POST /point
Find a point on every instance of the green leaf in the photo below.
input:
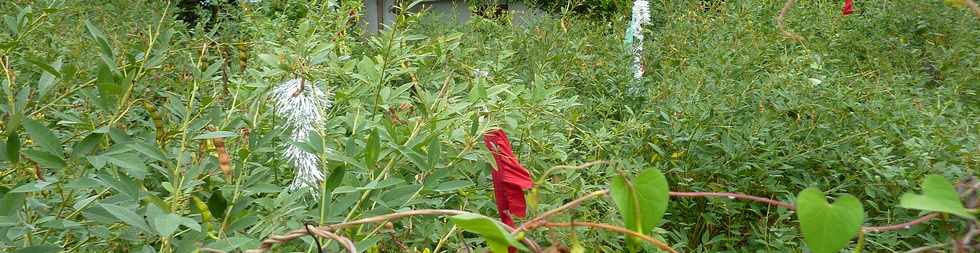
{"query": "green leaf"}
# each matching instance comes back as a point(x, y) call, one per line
point(107, 83)
point(32, 187)
point(123, 184)
point(434, 152)
point(13, 147)
point(133, 164)
point(373, 149)
point(453, 185)
point(477, 92)
point(335, 179)
point(215, 134)
point(625, 201)
point(270, 60)
point(166, 224)
point(48, 77)
point(45, 159)
point(45, 248)
point(217, 204)
point(653, 195)
point(127, 216)
point(315, 141)
point(87, 145)
point(938, 195)
point(492, 232)
point(43, 137)
point(149, 149)
point(10, 202)
point(826, 227)
point(108, 58)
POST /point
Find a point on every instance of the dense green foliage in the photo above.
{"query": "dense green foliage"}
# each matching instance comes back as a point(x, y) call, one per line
point(108, 111)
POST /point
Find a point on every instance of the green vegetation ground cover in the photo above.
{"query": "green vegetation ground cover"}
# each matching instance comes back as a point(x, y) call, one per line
point(108, 110)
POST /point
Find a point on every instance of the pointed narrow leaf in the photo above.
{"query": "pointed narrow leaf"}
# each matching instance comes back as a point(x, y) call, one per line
point(86, 146)
point(43, 137)
point(216, 134)
point(127, 216)
point(32, 187)
point(13, 147)
point(45, 248)
point(148, 149)
point(45, 159)
point(373, 149)
point(133, 165)
point(48, 78)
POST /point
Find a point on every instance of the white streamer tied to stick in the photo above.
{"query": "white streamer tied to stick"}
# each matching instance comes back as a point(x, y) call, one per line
point(302, 105)
point(634, 34)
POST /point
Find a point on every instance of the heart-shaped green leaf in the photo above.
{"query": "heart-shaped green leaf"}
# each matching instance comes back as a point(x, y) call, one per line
point(826, 227)
point(938, 195)
point(492, 232)
point(650, 192)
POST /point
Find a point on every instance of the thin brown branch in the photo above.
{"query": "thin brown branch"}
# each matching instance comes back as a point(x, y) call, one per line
point(733, 195)
point(344, 241)
point(661, 245)
point(779, 21)
point(279, 239)
point(928, 248)
point(543, 218)
point(900, 226)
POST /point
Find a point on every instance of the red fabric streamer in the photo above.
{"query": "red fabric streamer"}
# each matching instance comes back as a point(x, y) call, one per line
point(848, 7)
point(510, 179)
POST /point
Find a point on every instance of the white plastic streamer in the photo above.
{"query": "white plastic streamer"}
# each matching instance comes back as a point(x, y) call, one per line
point(303, 112)
point(634, 34)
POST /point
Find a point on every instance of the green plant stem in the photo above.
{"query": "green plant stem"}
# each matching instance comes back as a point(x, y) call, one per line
point(141, 71)
point(860, 242)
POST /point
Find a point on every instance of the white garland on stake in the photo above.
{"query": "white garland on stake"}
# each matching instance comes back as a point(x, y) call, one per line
point(634, 34)
point(302, 105)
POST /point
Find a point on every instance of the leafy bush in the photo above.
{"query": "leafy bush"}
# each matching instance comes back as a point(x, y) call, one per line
point(113, 114)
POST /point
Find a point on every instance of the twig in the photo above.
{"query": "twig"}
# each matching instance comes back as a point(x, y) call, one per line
point(927, 248)
point(663, 246)
point(779, 21)
point(900, 226)
point(734, 195)
point(543, 218)
point(344, 241)
point(279, 239)
point(538, 221)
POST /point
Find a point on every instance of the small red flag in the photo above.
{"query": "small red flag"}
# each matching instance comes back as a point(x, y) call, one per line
point(510, 179)
point(848, 7)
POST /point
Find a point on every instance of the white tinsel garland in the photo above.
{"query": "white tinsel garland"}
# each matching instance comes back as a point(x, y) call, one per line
point(641, 16)
point(302, 111)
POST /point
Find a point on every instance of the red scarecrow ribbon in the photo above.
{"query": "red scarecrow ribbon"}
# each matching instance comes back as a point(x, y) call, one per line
point(848, 7)
point(510, 179)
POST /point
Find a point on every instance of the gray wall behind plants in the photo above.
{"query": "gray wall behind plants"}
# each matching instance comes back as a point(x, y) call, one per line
point(449, 11)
